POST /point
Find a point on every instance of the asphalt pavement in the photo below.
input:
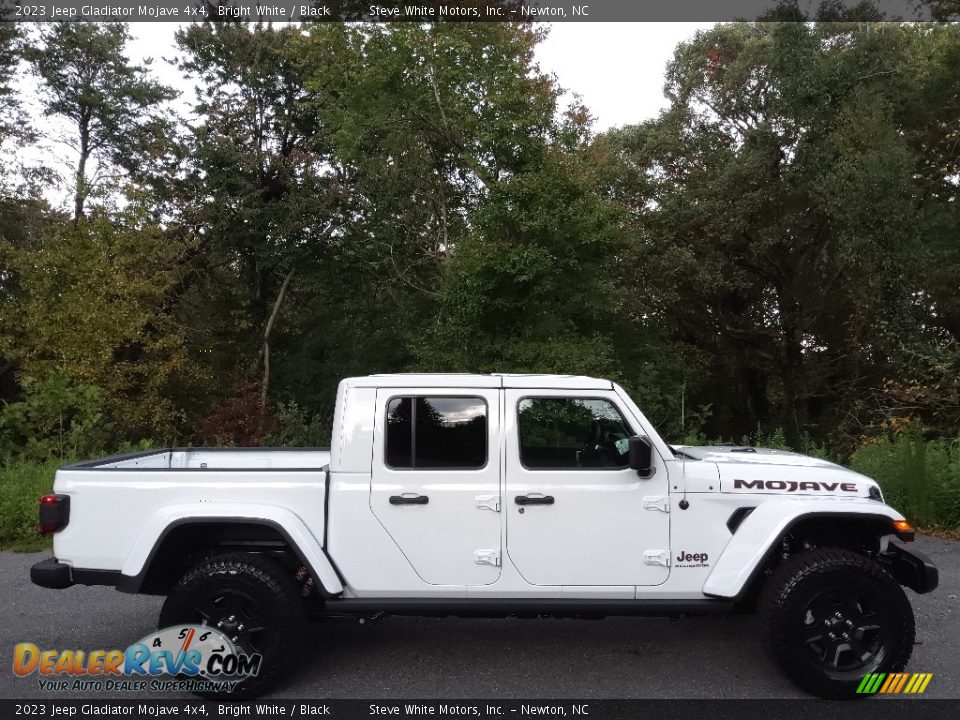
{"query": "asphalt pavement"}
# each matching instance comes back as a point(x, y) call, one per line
point(704, 657)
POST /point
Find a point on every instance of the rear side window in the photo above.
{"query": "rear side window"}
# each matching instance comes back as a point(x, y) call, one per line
point(436, 432)
point(572, 433)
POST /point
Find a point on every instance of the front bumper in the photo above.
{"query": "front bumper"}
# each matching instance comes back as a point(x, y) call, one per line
point(912, 568)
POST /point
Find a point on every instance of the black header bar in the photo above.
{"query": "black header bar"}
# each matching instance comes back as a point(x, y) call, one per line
point(552, 709)
point(281, 11)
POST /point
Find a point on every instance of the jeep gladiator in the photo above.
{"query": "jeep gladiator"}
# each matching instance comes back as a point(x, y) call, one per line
point(497, 495)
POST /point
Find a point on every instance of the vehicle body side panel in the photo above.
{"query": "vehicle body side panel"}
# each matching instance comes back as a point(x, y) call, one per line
point(293, 527)
point(698, 537)
point(352, 441)
point(369, 560)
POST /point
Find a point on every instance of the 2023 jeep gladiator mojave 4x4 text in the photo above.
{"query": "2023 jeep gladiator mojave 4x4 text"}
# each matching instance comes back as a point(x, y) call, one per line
point(497, 495)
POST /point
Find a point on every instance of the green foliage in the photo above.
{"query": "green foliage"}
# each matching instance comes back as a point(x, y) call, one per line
point(57, 418)
point(298, 429)
point(919, 477)
point(22, 482)
point(533, 290)
point(91, 303)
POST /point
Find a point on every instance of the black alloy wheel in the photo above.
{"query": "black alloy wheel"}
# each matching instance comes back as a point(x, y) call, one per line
point(831, 616)
point(254, 601)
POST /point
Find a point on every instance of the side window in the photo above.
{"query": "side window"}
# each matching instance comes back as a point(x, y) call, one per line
point(572, 433)
point(436, 432)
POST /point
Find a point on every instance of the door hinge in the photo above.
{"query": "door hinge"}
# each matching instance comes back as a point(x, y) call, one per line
point(487, 557)
point(656, 557)
point(656, 502)
point(489, 502)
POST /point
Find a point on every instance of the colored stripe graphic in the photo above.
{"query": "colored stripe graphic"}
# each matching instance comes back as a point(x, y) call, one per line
point(890, 682)
point(900, 683)
point(894, 683)
point(866, 685)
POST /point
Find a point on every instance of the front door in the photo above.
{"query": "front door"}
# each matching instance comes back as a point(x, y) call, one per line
point(435, 486)
point(575, 513)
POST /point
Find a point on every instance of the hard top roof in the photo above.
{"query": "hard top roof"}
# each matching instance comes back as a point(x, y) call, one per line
point(493, 380)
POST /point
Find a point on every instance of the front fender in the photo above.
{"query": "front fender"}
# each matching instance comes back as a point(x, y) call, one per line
point(762, 529)
point(286, 522)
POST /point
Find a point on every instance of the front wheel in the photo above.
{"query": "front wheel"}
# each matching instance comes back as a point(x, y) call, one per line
point(252, 600)
point(832, 616)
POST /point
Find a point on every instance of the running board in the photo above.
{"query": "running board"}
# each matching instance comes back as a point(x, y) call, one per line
point(500, 607)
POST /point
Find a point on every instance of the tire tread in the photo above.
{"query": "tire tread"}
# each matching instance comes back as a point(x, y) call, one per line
point(283, 589)
point(789, 578)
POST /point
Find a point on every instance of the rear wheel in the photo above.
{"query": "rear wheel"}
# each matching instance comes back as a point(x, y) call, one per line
point(832, 616)
point(252, 600)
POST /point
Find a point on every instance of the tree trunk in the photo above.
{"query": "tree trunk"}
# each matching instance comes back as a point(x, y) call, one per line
point(80, 194)
point(265, 384)
point(795, 394)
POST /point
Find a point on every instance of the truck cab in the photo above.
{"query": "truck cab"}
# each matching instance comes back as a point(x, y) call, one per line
point(511, 472)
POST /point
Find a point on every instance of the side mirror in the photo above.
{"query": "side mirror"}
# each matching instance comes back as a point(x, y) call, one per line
point(641, 455)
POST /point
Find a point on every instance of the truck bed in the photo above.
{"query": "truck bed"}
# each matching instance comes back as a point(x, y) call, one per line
point(119, 504)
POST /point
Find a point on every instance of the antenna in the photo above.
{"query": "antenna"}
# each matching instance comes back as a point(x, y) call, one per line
point(683, 398)
point(683, 429)
point(683, 479)
point(683, 408)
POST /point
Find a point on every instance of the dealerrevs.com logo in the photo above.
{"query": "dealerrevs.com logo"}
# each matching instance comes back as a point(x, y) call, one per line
point(183, 658)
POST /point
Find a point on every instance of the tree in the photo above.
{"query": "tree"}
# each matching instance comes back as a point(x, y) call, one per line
point(90, 307)
point(466, 195)
point(788, 216)
point(113, 105)
point(259, 184)
point(11, 113)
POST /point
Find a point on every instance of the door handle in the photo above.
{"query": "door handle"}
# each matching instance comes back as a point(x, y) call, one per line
point(409, 499)
point(534, 499)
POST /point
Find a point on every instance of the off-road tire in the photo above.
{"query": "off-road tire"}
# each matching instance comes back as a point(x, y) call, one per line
point(799, 606)
point(260, 588)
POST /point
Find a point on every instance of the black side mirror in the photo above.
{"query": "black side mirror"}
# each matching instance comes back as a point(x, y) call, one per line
point(641, 455)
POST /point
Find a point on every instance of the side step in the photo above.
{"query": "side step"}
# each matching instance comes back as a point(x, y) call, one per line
point(530, 607)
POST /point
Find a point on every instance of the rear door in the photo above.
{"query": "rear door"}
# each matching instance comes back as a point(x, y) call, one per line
point(575, 513)
point(435, 486)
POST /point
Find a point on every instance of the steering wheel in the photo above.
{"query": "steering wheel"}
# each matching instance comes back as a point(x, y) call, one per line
point(593, 449)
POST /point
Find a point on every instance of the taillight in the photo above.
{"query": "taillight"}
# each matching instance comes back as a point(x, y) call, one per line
point(54, 513)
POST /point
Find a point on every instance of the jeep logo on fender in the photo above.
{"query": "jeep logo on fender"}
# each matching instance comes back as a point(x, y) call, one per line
point(685, 559)
point(793, 486)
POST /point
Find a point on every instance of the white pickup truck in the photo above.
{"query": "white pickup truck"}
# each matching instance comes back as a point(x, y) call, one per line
point(497, 495)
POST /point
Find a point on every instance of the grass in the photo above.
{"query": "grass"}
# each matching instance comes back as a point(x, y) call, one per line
point(921, 478)
point(21, 485)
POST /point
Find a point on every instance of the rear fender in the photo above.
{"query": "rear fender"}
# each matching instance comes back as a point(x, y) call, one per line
point(288, 524)
point(762, 529)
